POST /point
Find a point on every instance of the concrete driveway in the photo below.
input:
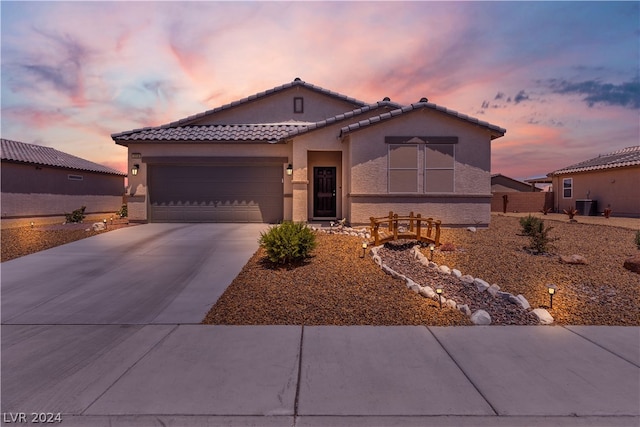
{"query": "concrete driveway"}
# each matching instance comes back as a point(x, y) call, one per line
point(148, 274)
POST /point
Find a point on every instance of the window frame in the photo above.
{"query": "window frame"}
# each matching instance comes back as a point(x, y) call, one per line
point(298, 105)
point(567, 188)
point(390, 148)
point(452, 168)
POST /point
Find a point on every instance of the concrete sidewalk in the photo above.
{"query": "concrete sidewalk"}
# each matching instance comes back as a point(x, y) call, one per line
point(198, 375)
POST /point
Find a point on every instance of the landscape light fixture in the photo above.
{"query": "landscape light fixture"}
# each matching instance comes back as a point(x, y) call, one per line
point(290, 169)
point(104, 221)
point(439, 292)
point(134, 169)
point(552, 291)
point(432, 248)
point(32, 224)
point(364, 248)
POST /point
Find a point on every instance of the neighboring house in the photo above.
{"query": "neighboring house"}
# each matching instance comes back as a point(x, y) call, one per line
point(300, 152)
point(504, 184)
point(42, 181)
point(511, 195)
point(607, 181)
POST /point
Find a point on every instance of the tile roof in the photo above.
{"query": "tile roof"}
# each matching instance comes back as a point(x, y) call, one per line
point(497, 131)
point(296, 82)
point(20, 152)
point(629, 156)
point(343, 116)
point(267, 132)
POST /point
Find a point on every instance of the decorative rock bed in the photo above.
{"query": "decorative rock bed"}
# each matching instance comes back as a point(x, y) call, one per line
point(515, 308)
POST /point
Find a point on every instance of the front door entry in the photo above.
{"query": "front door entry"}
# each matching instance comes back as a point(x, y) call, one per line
point(324, 192)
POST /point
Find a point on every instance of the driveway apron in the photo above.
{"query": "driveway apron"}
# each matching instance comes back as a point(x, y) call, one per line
point(148, 274)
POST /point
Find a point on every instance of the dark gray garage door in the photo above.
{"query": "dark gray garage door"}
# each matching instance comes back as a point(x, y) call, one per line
point(215, 193)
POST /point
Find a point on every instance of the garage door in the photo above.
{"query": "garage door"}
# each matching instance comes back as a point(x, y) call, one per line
point(216, 193)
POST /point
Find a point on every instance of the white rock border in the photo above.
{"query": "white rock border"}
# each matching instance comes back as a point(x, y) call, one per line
point(478, 317)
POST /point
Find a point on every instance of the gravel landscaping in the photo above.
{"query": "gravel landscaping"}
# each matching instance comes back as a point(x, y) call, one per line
point(338, 287)
point(22, 239)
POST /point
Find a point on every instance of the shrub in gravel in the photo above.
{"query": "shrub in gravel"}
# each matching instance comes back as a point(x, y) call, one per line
point(529, 223)
point(540, 241)
point(76, 216)
point(123, 212)
point(288, 242)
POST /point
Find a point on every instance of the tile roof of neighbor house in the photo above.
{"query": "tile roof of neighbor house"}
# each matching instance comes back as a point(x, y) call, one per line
point(496, 130)
point(20, 152)
point(629, 156)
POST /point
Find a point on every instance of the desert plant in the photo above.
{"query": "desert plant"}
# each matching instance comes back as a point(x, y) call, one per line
point(528, 223)
point(288, 242)
point(571, 212)
point(123, 212)
point(637, 239)
point(545, 210)
point(607, 212)
point(540, 242)
point(76, 216)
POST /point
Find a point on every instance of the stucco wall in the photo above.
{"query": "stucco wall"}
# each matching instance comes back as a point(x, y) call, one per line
point(279, 108)
point(38, 204)
point(451, 211)
point(45, 191)
point(618, 188)
point(368, 189)
point(27, 178)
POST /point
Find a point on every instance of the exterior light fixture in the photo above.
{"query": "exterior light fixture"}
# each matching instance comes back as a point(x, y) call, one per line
point(364, 248)
point(439, 292)
point(134, 169)
point(290, 169)
point(552, 291)
point(432, 248)
point(111, 219)
point(32, 224)
point(104, 221)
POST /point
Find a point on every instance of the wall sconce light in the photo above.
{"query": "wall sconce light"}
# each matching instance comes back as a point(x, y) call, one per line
point(552, 291)
point(290, 169)
point(134, 169)
point(432, 248)
point(439, 292)
point(364, 248)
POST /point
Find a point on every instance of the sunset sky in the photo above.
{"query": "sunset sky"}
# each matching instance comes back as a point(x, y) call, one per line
point(561, 77)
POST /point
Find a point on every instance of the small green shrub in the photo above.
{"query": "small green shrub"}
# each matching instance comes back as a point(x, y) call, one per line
point(637, 239)
point(288, 242)
point(529, 224)
point(540, 242)
point(123, 212)
point(76, 216)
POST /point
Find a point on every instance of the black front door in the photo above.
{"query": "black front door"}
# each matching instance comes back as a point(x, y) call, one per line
point(324, 192)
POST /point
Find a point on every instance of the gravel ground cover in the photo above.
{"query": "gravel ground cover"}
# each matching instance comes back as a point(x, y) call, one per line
point(24, 240)
point(337, 287)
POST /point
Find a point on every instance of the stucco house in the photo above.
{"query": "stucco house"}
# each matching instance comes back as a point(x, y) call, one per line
point(42, 181)
point(608, 181)
point(303, 153)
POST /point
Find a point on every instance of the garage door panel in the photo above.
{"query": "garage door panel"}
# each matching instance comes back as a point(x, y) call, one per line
point(237, 193)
